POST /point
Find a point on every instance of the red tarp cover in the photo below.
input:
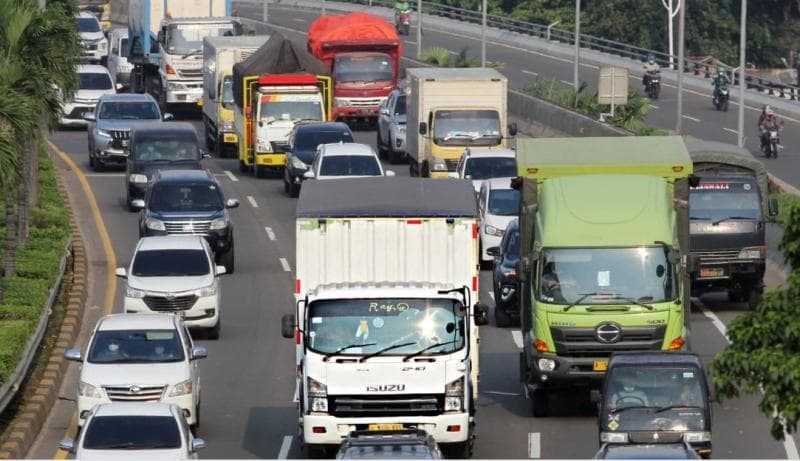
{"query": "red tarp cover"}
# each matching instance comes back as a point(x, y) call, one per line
point(355, 27)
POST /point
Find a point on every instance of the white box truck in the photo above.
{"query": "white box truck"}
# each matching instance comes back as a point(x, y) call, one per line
point(449, 110)
point(385, 326)
point(219, 56)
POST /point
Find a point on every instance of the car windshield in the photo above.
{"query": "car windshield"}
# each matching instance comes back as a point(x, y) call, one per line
point(171, 198)
point(720, 200)
point(227, 92)
point(188, 38)
point(127, 432)
point(129, 111)
point(296, 107)
point(123, 48)
point(466, 128)
point(374, 324)
point(490, 167)
point(400, 105)
point(350, 165)
point(136, 346)
point(310, 139)
point(170, 263)
point(504, 202)
point(372, 68)
point(653, 386)
point(606, 276)
point(88, 25)
point(159, 150)
point(94, 81)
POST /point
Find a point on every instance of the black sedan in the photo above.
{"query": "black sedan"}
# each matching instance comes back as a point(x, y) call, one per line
point(504, 277)
point(303, 142)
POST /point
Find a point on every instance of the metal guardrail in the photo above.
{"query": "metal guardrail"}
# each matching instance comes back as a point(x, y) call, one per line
point(705, 68)
point(10, 388)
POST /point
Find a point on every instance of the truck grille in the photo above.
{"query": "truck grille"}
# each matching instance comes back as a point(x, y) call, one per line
point(134, 393)
point(717, 256)
point(190, 73)
point(187, 227)
point(175, 303)
point(582, 342)
point(655, 436)
point(89, 46)
point(383, 405)
point(366, 102)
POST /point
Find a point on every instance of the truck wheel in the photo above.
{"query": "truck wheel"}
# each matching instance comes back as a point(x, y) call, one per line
point(425, 173)
point(456, 450)
point(243, 167)
point(539, 403)
point(736, 296)
point(314, 451)
point(413, 168)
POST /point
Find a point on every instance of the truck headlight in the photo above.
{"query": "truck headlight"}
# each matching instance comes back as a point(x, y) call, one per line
point(210, 290)
point(299, 164)
point(138, 179)
point(614, 437)
point(318, 396)
point(155, 224)
point(438, 164)
point(134, 293)
point(547, 364)
point(491, 230)
point(696, 436)
point(751, 253)
point(454, 395)
point(219, 223)
point(175, 86)
point(182, 388)
point(87, 390)
point(227, 125)
point(341, 102)
point(262, 145)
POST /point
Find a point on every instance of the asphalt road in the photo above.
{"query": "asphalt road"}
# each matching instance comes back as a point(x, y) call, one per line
point(248, 379)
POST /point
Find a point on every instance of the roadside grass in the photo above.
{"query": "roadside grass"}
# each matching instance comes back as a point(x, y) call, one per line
point(785, 202)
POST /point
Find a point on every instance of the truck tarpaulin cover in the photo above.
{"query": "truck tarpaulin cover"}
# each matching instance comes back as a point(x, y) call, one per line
point(354, 28)
point(278, 56)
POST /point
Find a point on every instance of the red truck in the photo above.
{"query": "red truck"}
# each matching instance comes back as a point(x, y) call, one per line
point(362, 52)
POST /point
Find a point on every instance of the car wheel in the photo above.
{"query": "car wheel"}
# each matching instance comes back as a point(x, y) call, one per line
point(294, 190)
point(286, 182)
point(91, 161)
point(243, 167)
point(227, 259)
point(396, 157)
point(501, 317)
point(379, 144)
point(456, 450)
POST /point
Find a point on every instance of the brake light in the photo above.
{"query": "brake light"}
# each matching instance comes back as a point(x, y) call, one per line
point(677, 343)
point(170, 70)
point(475, 231)
point(297, 337)
point(297, 286)
point(540, 345)
point(474, 283)
point(413, 221)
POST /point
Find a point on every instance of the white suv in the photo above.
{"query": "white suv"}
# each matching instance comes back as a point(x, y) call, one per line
point(498, 205)
point(93, 82)
point(345, 159)
point(95, 44)
point(139, 358)
point(479, 164)
point(175, 274)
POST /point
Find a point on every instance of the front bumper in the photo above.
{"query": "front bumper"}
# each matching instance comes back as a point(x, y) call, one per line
point(73, 114)
point(336, 429)
point(186, 402)
point(347, 112)
point(569, 370)
point(271, 160)
point(733, 273)
point(220, 240)
point(190, 94)
point(203, 314)
point(94, 56)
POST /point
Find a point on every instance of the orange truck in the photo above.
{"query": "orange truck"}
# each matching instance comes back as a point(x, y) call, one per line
point(362, 52)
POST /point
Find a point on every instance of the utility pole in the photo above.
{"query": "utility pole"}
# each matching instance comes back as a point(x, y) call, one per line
point(742, 62)
point(681, 45)
point(576, 80)
point(671, 12)
point(266, 11)
point(419, 29)
point(483, 33)
point(42, 4)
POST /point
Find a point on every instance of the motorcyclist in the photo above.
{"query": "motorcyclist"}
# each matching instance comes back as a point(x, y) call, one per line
point(763, 113)
point(400, 6)
point(720, 80)
point(651, 67)
point(769, 122)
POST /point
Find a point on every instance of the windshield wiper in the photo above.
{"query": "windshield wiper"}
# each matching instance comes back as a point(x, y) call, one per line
point(721, 220)
point(672, 407)
point(699, 218)
point(638, 302)
point(117, 446)
point(630, 407)
point(385, 349)
point(579, 300)
point(192, 53)
point(425, 349)
point(341, 349)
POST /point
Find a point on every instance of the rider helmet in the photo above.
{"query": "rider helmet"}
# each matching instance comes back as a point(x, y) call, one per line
point(651, 58)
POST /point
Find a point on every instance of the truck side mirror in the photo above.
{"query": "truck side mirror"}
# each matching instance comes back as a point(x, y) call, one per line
point(595, 396)
point(261, 123)
point(774, 208)
point(212, 94)
point(674, 256)
point(423, 128)
point(694, 180)
point(512, 129)
point(481, 314)
point(287, 326)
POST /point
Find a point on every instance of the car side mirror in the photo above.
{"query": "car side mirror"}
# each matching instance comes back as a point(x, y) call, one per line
point(221, 270)
point(137, 204)
point(308, 174)
point(389, 173)
point(73, 355)
point(774, 207)
point(166, 117)
point(198, 444)
point(481, 314)
point(512, 129)
point(204, 154)
point(118, 86)
point(261, 123)
point(121, 272)
point(115, 50)
point(232, 203)
point(199, 352)
point(674, 256)
point(494, 251)
point(595, 396)
point(67, 445)
point(423, 128)
point(288, 326)
point(89, 117)
point(467, 176)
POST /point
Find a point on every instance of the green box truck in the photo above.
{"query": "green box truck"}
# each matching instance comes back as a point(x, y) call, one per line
point(605, 237)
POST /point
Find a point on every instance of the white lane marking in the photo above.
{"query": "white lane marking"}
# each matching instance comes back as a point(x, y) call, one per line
point(534, 445)
point(270, 234)
point(517, 337)
point(567, 83)
point(529, 72)
point(730, 130)
point(491, 295)
point(653, 106)
point(252, 201)
point(410, 42)
point(691, 118)
point(296, 397)
point(303, 20)
point(285, 446)
point(513, 394)
point(285, 265)
point(230, 175)
point(780, 147)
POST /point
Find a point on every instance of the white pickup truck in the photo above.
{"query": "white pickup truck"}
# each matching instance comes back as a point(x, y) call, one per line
point(385, 327)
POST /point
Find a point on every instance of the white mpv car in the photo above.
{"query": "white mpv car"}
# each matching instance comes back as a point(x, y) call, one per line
point(175, 274)
point(139, 358)
point(498, 205)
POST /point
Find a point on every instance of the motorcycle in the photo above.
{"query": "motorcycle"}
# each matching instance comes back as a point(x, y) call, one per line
point(653, 87)
point(770, 147)
point(403, 22)
point(721, 98)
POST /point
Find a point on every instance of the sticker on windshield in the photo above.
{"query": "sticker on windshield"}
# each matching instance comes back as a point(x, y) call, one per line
point(159, 335)
point(377, 322)
point(316, 319)
point(604, 278)
point(688, 374)
point(363, 330)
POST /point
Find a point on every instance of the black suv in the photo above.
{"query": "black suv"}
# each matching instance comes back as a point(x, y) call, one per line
point(504, 277)
point(180, 202)
point(153, 147)
point(303, 142)
point(398, 444)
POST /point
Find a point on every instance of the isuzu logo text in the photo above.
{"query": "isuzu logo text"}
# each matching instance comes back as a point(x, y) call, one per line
point(387, 388)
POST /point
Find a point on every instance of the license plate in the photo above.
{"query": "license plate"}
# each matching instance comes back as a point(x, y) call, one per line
point(385, 427)
point(125, 143)
point(712, 272)
point(181, 97)
point(230, 137)
point(600, 365)
point(199, 102)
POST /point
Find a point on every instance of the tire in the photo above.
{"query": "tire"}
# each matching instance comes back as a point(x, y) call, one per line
point(725, 106)
point(196, 424)
point(91, 162)
point(456, 450)
point(314, 451)
point(425, 173)
point(291, 189)
point(379, 144)
point(227, 259)
point(774, 149)
point(656, 91)
point(539, 403)
point(413, 168)
point(501, 318)
point(736, 296)
point(213, 332)
point(243, 168)
point(396, 157)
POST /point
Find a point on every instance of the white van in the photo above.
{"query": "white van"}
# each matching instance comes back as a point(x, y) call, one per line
point(118, 64)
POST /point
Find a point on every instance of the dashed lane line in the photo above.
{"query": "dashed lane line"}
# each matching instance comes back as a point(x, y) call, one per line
point(688, 117)
point(567, 83)
point(653, 106)
point(510, 394)
point(252, 201)
point(530, 72)
point(270, 233)
point(285, 265)
point(410, 42)
point(491, 295)
point(516, 335)
point(231, 176)
point(534, 445)
point(730, 130)
point(285, 446)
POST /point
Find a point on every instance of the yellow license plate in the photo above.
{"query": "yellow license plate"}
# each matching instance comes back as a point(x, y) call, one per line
point(385, 427)
point(600, 365)
point(712, 272)
point(199, 102)
point(231, 137)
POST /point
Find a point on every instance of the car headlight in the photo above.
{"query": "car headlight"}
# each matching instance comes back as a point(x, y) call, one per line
point(341, 102)
point(87, 390)
point(219, 223)
point(751, 253)
point(182, 388)
point(696, 436)
point(263, 145)
point(438, 164)
point(401, 127)
point(299, 164)
point(318, 396)
point(210, 290)
point(138, 179)
point(103, 133)
point(102, 46)
point(155, 224)
point(454, 395)
point(491, 230)
point(134, 293)
point(613, 437)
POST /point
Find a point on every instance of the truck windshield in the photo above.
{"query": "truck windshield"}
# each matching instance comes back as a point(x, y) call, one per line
point(715, 201)
point(380, 323)
point(94, 81)
point(657, 387)
point(174, 198)
point(290, 107)
point(188, 38)
point(227, 92)
point(491, 167)
point(605, 276)
point(371, 68)
point(88, 25)
point(466, 128)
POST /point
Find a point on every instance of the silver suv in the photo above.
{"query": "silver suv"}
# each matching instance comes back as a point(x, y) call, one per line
point(391, 130)
point(110, 126)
